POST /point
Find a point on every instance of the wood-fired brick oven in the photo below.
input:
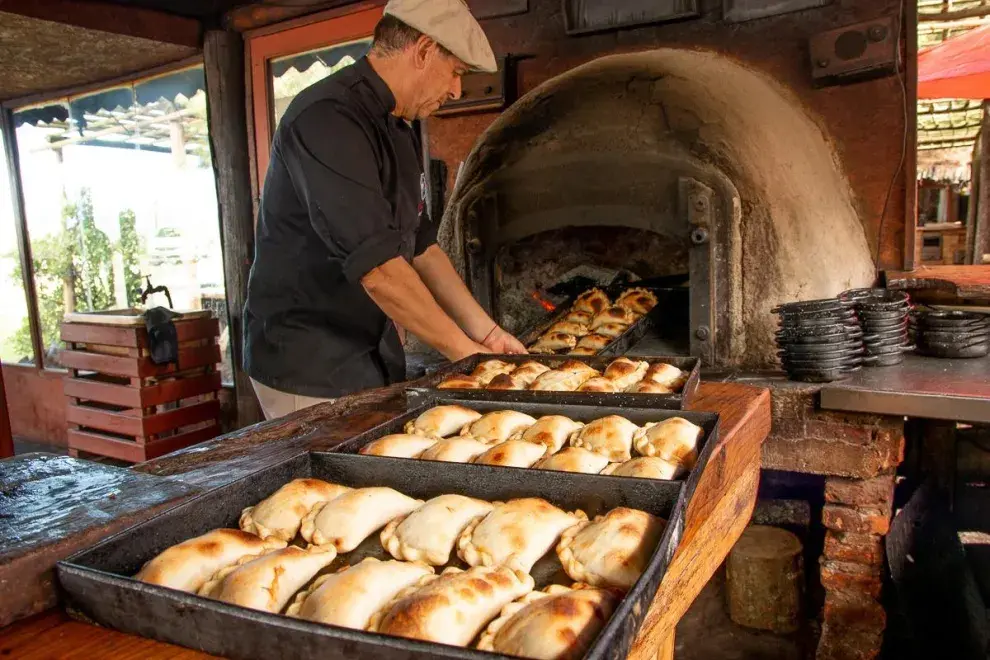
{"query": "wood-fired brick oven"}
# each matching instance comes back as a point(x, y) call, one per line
point(661, 162)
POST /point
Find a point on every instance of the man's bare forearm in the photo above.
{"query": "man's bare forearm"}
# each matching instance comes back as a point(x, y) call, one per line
point(452, 294)
point(398, 290)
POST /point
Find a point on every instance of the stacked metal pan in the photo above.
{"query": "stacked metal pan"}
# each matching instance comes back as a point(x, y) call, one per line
point(951, 334)
point(883, 316)
point(819, 341)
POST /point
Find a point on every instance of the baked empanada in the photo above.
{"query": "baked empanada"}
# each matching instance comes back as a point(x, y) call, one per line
point(512, 453)
point(281, 513)
point(541, 349)
point(187, 565)
point(611, 436)
point(625, 372)
point(555, 341)
point(666, 374)
point(649, 387)
point(598, 384)
point(584, 351)
point(565, 378)
point(351, 596)
point(460, 382)
point(455, 450)
point(574, 316)
point(442, 421)
point(488, 369)
point(453, 607)
point(674, 440)
point(569, 328)
point(558, 623)
point(354, 516)
point(429, 533)
point(574, 459)
point(646, 467)
point(516, 533)
point(592, 301)
point(552, 431)
point(639, 301)
point(614, 314)
point(611, 330)
point(497, 426)
point(594, 341)
point(519, 379)
point(612, 550)
point(268, 582)
point(399, 445)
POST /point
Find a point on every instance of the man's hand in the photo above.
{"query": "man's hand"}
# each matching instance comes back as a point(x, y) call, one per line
point(468, 350)
point(500, 341)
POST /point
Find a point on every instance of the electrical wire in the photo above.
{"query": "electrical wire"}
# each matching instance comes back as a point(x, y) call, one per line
point(904, 139)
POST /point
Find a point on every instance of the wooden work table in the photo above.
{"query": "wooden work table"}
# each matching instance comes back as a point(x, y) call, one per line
point(717, 515)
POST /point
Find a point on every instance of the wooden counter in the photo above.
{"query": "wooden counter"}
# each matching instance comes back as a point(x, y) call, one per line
point(717, 515)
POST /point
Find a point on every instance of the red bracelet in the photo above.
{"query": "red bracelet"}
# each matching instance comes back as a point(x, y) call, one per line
point(490, 333)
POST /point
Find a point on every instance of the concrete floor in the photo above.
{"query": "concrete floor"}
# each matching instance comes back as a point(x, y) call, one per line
point(707, 633)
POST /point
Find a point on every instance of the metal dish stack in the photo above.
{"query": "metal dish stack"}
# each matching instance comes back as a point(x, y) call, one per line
point(951, 334)
point(883, 316)
point(819, 341)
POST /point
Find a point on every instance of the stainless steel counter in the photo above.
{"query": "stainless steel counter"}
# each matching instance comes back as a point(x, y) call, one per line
point(957, 390)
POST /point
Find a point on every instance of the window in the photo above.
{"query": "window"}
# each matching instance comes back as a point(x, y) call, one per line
point(119, 190)
point(291, 75)
point(15, 332)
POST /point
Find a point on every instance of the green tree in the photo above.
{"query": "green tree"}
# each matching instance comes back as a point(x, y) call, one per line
point(81, 256)
point(131, 249)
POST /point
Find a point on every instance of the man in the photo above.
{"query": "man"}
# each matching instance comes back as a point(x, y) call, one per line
point(344, 259)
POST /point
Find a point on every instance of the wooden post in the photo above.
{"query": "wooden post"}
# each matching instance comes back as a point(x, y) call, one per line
point(972, 213)
point(6, 437)
point(20, 222)
point(764, 575)
point(981, 232)
point(223, 57)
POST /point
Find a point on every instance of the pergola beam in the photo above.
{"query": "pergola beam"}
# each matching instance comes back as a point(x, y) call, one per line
point(116, 19)
point(971, 12)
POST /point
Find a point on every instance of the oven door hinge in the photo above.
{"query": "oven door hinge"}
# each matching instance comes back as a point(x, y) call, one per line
point(696, 201)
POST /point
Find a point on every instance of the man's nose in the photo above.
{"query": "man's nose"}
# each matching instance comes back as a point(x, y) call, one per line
point(455, 89)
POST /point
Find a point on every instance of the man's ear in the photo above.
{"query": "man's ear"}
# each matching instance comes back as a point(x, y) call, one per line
point(423, 50)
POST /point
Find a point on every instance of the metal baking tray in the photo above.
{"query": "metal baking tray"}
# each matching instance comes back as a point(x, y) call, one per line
point(670, 318)
point(420, 402)
point(676, 401)
point(95, 586)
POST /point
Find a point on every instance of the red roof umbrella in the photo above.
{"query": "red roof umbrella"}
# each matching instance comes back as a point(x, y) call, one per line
point(958, 68)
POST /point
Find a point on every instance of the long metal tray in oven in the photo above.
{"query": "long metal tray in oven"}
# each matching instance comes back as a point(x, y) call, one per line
point(676, 401)
point(420, 402)
point(670, 318)
point(95, 585)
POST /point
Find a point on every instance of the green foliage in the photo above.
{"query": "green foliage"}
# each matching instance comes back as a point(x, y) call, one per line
point(131, 249)
point(80, 257)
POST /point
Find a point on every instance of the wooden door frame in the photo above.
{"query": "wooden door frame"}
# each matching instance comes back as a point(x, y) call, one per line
point(322, 30)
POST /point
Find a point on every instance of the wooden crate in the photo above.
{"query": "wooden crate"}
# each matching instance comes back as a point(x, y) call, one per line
point(121, 404)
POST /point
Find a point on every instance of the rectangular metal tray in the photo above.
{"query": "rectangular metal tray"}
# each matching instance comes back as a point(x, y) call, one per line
point(676, 401)
point(95, 586)
point(669, 317)
point(419, 402)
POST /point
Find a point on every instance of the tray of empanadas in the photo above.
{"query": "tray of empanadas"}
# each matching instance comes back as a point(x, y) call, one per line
point(654, 381)
point(609, 321)
point(335, 555)
point(644, 443)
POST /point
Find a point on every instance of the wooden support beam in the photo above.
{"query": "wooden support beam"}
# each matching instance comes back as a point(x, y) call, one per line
point(265, 13)
point(20, 223)
point(223, 56)
point(117, 19)
point(6, 438)
point(972, 12)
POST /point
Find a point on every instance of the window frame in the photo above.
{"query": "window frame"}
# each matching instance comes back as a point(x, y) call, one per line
point(7, 110)
point(261, 46)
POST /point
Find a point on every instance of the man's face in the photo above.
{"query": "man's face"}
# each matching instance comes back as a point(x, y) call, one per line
point(439, 81)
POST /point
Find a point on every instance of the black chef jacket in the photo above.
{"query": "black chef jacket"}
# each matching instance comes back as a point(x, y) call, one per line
point(344, 194)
